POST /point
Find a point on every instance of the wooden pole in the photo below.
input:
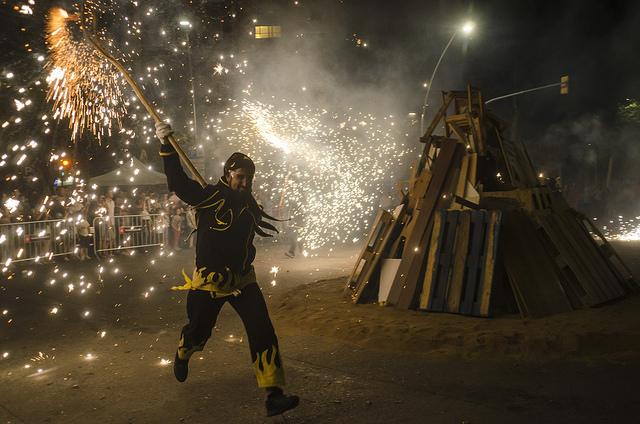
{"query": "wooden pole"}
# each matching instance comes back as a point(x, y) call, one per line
point(95, 42)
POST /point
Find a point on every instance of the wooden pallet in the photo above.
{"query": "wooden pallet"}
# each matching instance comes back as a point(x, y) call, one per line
point(371, 253)
point(536, 281)
point(529, 199)
point(460, 265)
point(521, 172)
point(616, 263)
point(589, 278)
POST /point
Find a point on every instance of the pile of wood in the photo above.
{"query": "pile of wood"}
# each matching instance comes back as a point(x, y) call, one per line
point(476, 227)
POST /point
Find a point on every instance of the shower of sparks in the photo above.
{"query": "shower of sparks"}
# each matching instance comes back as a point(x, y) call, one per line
point(329, 169)
point(622, 229)
point(83, 85)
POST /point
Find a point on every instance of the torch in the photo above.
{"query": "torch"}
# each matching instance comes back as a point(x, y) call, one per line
point(93, 39)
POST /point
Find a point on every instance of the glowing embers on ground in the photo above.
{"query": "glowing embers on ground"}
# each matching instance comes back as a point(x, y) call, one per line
point(70, 291)
point(325, 169)
point(83, 86)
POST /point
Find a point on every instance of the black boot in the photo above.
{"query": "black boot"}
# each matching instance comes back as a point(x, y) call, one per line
point(277, 402)
point(180, 368)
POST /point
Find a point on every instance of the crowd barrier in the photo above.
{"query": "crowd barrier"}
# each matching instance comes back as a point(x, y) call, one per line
point(36, 240)
point(128, 232)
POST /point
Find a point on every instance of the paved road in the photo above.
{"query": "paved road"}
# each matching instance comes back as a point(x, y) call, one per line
point(92, 342)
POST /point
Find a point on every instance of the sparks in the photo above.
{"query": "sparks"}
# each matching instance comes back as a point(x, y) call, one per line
point(82, 85)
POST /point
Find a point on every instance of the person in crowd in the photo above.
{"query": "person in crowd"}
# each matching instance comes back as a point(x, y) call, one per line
point(82, 231)
point(295, 224)
point(177, 223)
point(109, 228)
point(189, 234)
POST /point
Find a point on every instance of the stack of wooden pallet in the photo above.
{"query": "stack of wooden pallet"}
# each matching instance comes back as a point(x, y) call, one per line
point(473, 211)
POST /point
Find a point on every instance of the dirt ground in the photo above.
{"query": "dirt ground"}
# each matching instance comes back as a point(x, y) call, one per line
point(608, 332)
point(93, 342)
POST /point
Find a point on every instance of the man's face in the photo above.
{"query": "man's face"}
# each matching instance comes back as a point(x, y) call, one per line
point(240, 180)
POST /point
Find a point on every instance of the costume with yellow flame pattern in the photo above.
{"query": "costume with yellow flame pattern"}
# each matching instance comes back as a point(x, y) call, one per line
point(226, 224)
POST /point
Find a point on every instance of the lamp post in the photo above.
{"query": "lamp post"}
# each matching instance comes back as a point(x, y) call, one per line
point(187, 25)
point(466, 29)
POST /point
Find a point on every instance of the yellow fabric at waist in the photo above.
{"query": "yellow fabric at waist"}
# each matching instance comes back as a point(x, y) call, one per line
point(213, 281)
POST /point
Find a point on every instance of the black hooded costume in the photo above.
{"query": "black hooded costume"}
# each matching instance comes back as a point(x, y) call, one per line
point(226, 225)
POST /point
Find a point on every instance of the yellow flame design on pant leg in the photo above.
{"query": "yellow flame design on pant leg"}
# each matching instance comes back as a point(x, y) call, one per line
point(186, 352)
point(268, 369)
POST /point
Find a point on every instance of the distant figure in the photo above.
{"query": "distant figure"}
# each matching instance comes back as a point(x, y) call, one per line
point(84, 239)
point(294, 225)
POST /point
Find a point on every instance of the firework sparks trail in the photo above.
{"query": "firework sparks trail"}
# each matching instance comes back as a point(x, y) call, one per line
point(331, 167)
point(83, 86)
point(622, 229)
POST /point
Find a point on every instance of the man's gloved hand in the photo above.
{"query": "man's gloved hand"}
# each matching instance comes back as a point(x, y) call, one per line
point(163, 131)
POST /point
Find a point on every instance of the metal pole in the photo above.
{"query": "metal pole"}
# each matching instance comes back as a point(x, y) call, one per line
point(95, 42)
point(426, 97)
point(193, 93)
point(522, 92)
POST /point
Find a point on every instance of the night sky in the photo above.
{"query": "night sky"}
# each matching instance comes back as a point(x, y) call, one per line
point(515, 45)
point(371, 56)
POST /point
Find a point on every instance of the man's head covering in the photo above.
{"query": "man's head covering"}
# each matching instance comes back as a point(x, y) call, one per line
point(239, 160)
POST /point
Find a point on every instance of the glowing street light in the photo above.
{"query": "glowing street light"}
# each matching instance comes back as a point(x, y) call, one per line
point(466, 29)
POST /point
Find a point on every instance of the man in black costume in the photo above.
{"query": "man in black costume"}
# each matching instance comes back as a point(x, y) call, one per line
point(227, 218)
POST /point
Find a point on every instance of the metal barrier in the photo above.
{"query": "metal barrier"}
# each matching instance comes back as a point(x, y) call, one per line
point(128, 232)
point(34, 240)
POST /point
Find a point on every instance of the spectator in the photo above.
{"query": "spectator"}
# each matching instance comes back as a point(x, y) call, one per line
point(177, 224)
point(190, 224)
point(82, 231)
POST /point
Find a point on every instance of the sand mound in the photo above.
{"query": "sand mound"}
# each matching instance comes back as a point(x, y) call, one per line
point(608, 332)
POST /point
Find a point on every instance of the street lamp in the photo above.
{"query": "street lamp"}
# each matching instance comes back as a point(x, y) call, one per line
point(187, 25)
point(466, 29)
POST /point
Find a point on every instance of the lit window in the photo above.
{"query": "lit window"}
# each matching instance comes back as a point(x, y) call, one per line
point(267, 31)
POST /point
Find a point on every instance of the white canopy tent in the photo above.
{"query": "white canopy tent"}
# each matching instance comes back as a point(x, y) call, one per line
point(131, 173)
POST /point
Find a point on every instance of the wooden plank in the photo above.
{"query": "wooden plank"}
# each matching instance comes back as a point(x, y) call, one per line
point(405, 283)
point(432, 268)
point(371, 254)
point(419, 188)
point(473, 261)
point(482, 305)
point(609, 282)
point(441, 112)
point(536, 281)
point(599, 277)
point(458, 272)
point(473, 166)
point(597, 281)
point(608, 252)
point(459, 132)
point(587, 296)
point(444, 260)
point(409, 296)
point(462, 181)
point(354, 279)
point(474, 256)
